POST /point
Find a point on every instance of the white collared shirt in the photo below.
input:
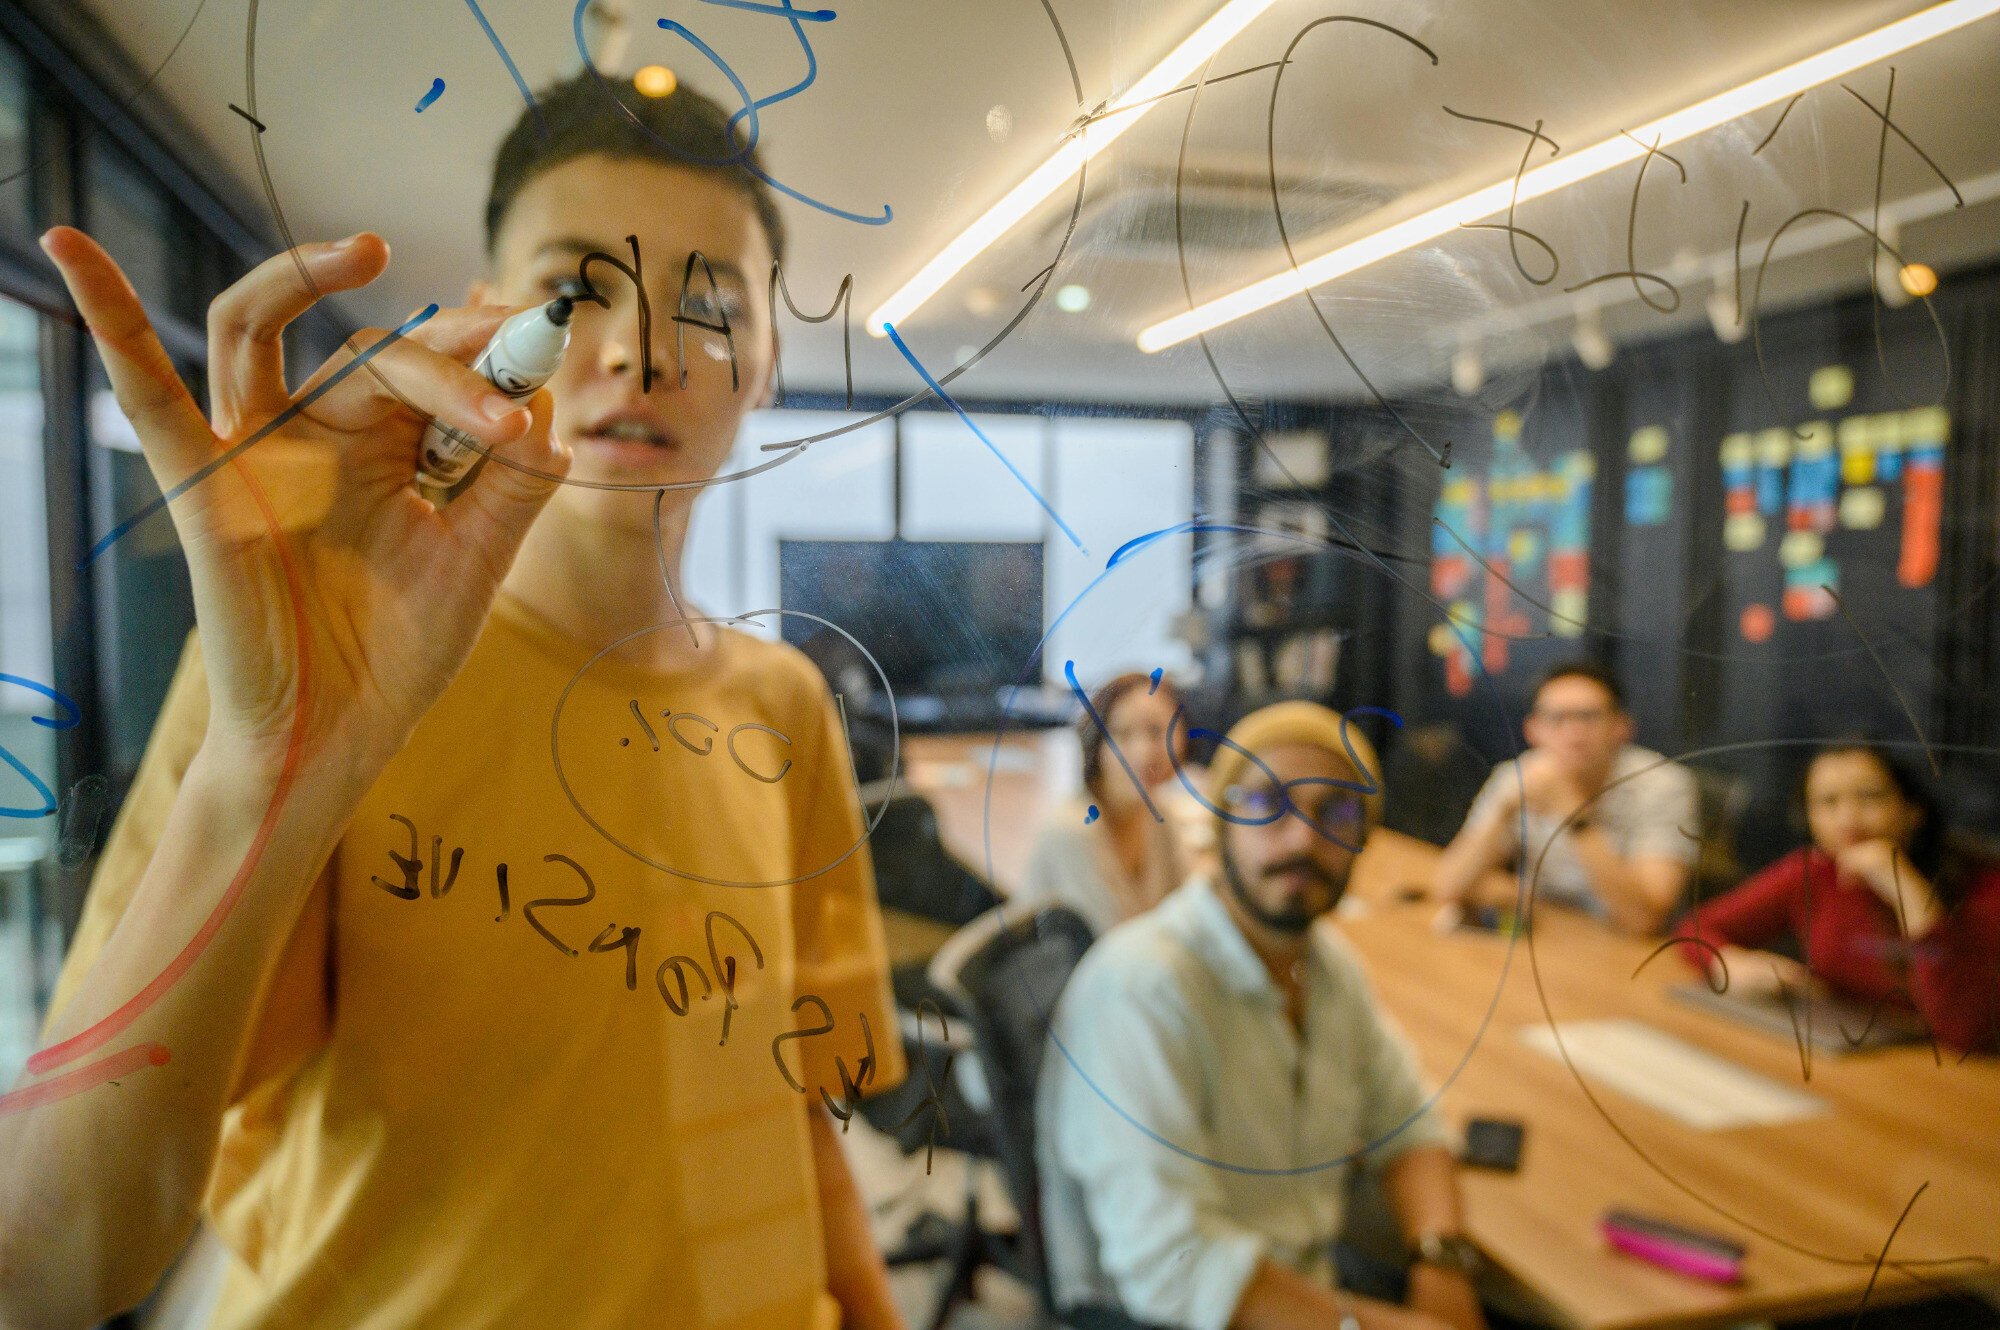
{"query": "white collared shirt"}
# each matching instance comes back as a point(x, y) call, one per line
point(1187, 1130)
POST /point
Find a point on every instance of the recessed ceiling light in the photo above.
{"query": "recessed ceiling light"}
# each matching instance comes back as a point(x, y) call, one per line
point(1917, 278)
point(1073, 299)
point(655, 81)
point(1602, 156)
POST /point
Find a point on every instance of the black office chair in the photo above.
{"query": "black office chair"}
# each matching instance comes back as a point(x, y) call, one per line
point(916, 874)
point(1003, 974)
point(914, 871)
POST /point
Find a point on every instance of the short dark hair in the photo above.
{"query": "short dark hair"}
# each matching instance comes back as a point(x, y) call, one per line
point(607, 116)
point(1581, 668)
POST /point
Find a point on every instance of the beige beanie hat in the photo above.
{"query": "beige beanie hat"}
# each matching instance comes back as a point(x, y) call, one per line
point(1296, 723)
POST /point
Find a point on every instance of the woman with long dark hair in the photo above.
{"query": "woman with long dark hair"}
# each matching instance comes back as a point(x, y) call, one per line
point(1105, 854)
point(1883, 908)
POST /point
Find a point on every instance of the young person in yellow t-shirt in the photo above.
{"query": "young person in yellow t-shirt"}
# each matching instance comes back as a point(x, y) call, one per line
point(528, 1003)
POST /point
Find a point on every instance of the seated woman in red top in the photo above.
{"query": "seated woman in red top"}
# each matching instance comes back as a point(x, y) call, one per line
point(1881, 910)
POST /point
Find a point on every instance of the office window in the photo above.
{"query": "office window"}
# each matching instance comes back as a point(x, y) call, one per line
point(145, 603)
point(954, 488)
point(24, 654)
point(838, 489)
point(1115, 480)
point(151, 236)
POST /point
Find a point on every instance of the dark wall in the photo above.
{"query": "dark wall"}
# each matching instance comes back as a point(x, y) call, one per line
point(1667, 596)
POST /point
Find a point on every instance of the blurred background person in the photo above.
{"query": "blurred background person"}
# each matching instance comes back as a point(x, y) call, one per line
point(1599, 823)
point(1883, 906)
point(1108, 853)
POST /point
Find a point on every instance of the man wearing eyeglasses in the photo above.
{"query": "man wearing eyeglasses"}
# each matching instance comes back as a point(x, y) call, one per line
point(1219, 1068)
point(1595, 821)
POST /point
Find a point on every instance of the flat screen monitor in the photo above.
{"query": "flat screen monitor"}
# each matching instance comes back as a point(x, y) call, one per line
point(944, 619)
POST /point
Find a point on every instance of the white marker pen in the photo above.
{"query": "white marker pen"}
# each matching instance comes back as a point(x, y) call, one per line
point(522, 356)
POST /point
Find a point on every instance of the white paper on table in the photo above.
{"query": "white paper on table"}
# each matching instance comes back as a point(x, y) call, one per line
point(1704, 1091)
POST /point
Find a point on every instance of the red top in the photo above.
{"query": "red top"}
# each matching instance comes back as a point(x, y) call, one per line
point(1951, 974)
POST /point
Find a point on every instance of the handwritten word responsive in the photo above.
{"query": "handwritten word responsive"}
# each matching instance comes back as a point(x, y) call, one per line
point(730, 948)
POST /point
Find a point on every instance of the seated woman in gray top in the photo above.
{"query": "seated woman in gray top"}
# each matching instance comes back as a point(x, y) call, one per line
point(1110, 853)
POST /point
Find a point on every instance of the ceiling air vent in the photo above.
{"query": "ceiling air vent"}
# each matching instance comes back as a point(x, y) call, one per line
point(1219, 214)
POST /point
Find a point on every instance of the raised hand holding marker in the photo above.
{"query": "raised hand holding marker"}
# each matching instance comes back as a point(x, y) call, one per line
point(522, 356)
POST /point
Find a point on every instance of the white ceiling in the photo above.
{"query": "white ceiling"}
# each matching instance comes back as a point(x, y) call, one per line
point(903, 109)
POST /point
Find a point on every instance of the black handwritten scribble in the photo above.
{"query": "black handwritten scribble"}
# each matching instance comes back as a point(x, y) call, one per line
point(843, 302)
point(733, 951)
point(635, 272)
point(674, 720)
point(933, 1100)
point(1530, 885)
point(1101, 111)
point(560, 902)
point(1875, 250)
point(411, 866)
point(1631, 270)
point(853, 1083)
point(683, 321)
point(1801, 1035)
point(1516, 233)
point(1717, 983)
point(247, 116)
point(1777, 124)
point(1441, 456)
point(1883, 1255)
point(724, 967)
point(125, 102)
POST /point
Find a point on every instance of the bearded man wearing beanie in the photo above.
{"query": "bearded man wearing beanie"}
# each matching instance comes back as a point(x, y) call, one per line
point(1219, 1067)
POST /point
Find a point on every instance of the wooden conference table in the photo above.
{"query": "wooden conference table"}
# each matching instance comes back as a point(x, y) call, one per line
point(1832, 1184)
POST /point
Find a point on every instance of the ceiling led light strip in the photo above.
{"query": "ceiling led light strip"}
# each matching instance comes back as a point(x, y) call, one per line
point(1565, 171)
point(1100, 133)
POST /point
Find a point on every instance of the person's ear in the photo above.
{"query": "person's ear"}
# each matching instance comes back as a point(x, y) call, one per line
point(1626, 729)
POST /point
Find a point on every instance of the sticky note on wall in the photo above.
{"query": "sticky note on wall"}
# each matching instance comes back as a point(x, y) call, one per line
point(1649, 445)
point(1649, 495)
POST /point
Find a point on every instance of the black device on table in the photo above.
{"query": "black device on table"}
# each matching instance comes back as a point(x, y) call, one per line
point(1493, 1143)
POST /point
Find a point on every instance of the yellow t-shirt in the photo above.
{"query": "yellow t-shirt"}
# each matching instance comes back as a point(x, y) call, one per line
point(470, 1105)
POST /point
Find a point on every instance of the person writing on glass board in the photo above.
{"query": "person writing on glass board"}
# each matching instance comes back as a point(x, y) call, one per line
point(1604, 825)
point(1885, 908)
point(399, 1106)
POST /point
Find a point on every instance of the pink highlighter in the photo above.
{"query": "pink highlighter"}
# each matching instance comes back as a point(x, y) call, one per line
point(1682, 1250)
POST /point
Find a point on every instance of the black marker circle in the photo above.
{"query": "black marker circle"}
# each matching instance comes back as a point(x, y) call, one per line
point(675, 625)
